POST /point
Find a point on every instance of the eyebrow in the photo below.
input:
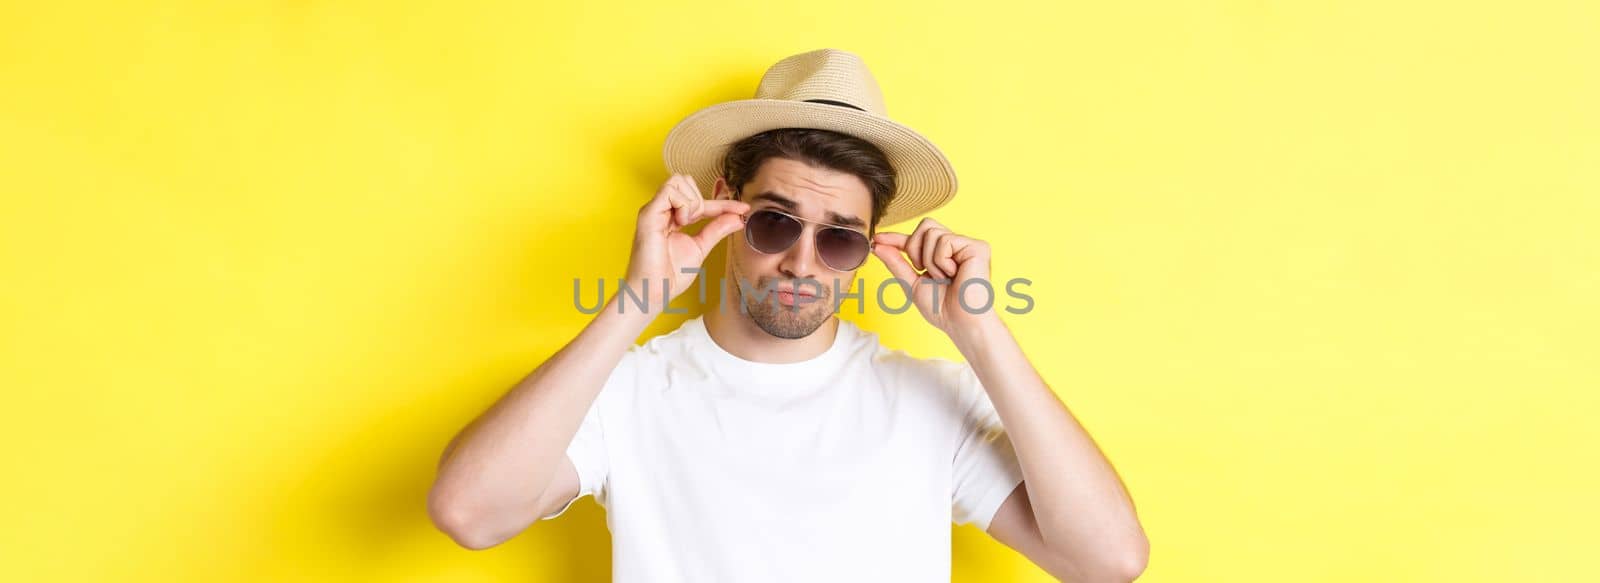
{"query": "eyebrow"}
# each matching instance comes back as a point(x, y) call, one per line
point(790, 205)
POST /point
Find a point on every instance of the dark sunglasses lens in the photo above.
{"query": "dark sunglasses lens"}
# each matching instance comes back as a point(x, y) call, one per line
point(842, 249)
point(770, 232)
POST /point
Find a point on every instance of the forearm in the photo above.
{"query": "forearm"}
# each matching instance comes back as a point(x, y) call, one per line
point(1082, 508)
point(496, 468)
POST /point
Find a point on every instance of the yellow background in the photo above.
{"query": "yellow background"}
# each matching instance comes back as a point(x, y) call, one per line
point(1321, 278)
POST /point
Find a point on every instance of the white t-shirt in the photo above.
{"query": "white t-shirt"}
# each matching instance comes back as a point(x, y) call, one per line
point(850, 466)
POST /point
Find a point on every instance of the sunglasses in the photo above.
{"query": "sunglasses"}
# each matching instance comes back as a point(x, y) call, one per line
point(771, 231)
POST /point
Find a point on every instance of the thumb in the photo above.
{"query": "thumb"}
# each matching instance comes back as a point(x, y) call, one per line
point(897, 264)
point(715, 230)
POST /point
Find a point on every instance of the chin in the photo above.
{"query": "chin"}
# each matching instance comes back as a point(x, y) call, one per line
point(772, 316)
point(785, 322)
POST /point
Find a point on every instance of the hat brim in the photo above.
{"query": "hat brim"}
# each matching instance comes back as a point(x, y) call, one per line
point(924, 178)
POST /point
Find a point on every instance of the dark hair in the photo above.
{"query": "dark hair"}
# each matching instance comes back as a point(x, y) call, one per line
point(822, 148)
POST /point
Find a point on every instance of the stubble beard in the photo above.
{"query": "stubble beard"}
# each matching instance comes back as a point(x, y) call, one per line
point(769, 314)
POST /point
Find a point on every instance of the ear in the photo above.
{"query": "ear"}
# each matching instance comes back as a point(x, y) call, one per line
point(721, 190)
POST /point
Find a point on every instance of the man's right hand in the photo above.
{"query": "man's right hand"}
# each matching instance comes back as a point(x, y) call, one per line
point(661, 250)
point(508, 468)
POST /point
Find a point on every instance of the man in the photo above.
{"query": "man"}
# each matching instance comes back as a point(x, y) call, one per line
point(768, 440)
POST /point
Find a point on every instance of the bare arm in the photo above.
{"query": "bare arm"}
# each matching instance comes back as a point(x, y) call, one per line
point(494, 473)
point(509, 467)
point(1072, 515)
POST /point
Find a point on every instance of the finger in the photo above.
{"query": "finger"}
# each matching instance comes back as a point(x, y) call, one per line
point(892, 239)
point(691, 212)
point(914, 246)
point(662, 200)
point(654, 214)
point(898, 267)
point(676, 201)
point(723, 206)
point(973, 253)
point(686, 200)
point(944, 255)
point(691, 187)
point(930, 245)
point(716, 230)
point(973, 250)
point(711, 209)
point(927, 228)
point(925, 254)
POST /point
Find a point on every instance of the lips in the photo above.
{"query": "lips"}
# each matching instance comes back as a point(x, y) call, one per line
point(795, 296)
point(804, 293)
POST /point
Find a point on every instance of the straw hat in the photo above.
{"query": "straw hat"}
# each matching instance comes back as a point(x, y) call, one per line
point(827, 89)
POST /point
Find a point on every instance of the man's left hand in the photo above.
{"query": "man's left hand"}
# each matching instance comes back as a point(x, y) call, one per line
point(940, 267)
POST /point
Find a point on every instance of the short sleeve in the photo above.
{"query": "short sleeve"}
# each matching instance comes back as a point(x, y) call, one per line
point(986, 466)
point(587, 450)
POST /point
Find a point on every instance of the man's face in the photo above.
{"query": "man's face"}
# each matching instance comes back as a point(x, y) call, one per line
point(814, 194)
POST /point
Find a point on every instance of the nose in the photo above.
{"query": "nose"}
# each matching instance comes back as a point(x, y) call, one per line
point(801, 258)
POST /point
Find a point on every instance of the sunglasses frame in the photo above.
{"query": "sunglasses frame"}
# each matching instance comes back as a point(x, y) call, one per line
point(817, 232)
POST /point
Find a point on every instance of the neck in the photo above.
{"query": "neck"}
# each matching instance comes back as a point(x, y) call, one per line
point(737, 334)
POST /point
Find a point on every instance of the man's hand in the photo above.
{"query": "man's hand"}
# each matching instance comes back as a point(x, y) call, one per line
point(941, 255)
point(661, 250)
point(1072, 516)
